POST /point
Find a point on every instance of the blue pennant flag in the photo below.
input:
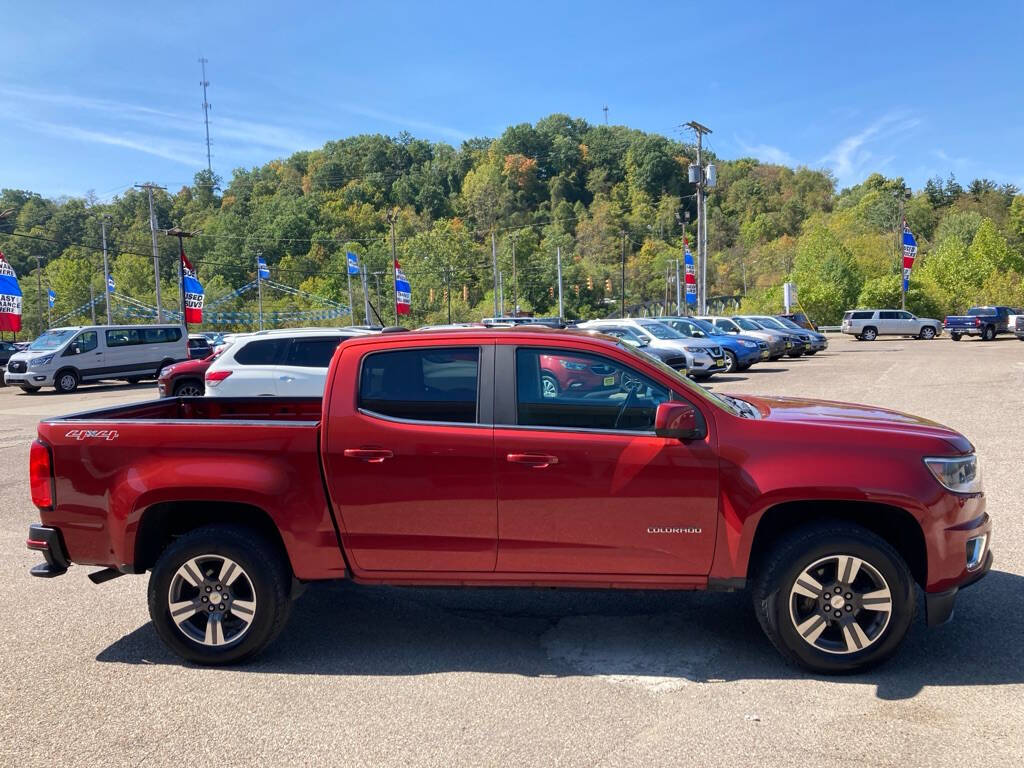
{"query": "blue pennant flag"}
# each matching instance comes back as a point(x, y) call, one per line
point(353, 263)
point(51, 297)
point(110, 283)
point(264, 270)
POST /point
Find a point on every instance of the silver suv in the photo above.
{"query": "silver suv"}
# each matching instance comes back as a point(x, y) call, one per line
point(869, 324)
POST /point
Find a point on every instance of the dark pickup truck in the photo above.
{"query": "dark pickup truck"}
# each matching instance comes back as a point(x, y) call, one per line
point(441, 458)
point(986, 322)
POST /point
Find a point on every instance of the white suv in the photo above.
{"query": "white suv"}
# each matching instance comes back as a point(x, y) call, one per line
point(869, 324)
point(289, 362)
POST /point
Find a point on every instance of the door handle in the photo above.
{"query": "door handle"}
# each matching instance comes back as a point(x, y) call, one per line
point(287, 378)
point(537, 460)
point(370, 455)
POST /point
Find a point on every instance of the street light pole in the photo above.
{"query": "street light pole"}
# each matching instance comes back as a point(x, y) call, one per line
point(106, 268)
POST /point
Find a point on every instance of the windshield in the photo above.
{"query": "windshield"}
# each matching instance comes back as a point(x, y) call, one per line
point(662, 331)
point(709, 328)
point(790, 324)
point(771, 322)
point(52, 339)
point(681, 381)
point(688, 328)
point(747, 325)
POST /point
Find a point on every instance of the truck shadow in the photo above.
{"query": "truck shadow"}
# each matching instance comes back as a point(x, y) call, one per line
point(653, 640)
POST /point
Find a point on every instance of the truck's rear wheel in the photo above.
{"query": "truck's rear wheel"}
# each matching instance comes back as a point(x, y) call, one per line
point(955, 336)
point(834, 598)
point(988, 333)
point(219, 594)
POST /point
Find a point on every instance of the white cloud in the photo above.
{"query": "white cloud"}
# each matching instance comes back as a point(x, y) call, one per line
point(852, 159)
point(766, 152)
point(405, 122)
point(176, 151)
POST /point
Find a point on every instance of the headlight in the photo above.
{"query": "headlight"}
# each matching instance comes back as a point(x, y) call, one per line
point(960, 474)
point(748, 344)
point(573, 366)
point(696, 350)
point(44, 360)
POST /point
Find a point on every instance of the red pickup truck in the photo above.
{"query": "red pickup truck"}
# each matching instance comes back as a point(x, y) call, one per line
point(440, 458)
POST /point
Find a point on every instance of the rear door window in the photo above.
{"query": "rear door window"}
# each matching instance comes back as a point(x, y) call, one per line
point(262, 352)
point(312, 352)
point(428, 384)
point(888, 315)
point(863, 315)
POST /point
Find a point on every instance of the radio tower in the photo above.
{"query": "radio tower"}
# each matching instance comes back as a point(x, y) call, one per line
point(206, 114)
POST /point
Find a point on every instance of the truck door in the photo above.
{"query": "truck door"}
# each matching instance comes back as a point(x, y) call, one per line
point(584, 484)
point(409, 457)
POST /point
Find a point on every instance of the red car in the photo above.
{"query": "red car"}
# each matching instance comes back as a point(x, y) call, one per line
point(438, 459)
point(187, 378)
point(574, 375)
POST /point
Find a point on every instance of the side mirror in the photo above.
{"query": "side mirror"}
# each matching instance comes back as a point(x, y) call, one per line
point(631, 342)
point(677, 420)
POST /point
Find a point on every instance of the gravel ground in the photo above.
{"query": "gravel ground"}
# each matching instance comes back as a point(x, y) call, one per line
point(381, 676)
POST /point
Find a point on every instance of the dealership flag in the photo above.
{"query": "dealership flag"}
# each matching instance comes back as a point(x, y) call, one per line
point(10, 297)
point(264, 270)
point(909, 254)
point(110, 283)
point(193, 291)
point(403, 293)
point(691, 274)
point(51, 297)
point(353, 263)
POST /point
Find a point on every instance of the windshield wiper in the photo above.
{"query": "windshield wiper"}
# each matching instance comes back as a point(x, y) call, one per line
point(746, 410)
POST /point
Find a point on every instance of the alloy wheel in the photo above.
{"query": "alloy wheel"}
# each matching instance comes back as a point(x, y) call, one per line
point(189, 390)
point(840, 604)
point(212, 600)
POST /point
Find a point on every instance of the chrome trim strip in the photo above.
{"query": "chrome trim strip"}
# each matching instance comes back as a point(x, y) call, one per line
point(399, 420)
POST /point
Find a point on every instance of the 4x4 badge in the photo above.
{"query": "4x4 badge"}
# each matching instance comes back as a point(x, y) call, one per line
point(92, 434)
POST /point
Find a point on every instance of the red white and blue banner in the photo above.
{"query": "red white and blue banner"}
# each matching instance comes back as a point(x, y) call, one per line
point(10, 297)
point(691, 273)
point(403, 292)
point(909, 254)
point(192, 289)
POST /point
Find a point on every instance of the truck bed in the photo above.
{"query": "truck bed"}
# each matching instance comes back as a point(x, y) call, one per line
point(291, 409)
point(255, 456)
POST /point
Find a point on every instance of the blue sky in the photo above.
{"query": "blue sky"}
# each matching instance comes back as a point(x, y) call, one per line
point(101, 96)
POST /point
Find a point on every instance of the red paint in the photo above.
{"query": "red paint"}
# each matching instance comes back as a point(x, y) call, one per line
point(422, 503)
point(188, 369)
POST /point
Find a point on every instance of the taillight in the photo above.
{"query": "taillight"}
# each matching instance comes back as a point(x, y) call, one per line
point(40, 473)
point(213, 378)
point(977, 321)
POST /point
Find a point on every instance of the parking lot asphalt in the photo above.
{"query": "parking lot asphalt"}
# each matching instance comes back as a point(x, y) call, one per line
point(386, 676)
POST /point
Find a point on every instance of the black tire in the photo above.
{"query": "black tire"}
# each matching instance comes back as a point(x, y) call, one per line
point(870, 333)
point(956, 336)
point(988, 333)
point(66, 381)
point(189, 388)
point(731, 365)
point(794, 355)
point(29, 390)
point(134, 380)
point(812, 352)
point(775, 602)
point(267, 576)
point(928, 333)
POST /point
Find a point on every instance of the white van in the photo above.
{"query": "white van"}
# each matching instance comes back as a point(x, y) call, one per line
point(63, 358)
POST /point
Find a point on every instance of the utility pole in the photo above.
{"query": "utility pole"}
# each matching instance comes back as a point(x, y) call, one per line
point(501, 291)
point(351, 306)
point(106, 268)
point(392, 218)
point(622, 289)
point(448, 291)
point(679, 292)
point(206, 116)
point(156, 249)
point(366, 292)
point(901, 223)
point(558, 267)
point(494, 266)
point(39, 290)
point(515, 282)
point(92, 301)
point(702, 224)
point(605, 108)
point(259, 287)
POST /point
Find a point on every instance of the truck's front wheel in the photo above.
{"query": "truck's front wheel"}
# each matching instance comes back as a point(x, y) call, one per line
point(834, 598)
point(219, 594)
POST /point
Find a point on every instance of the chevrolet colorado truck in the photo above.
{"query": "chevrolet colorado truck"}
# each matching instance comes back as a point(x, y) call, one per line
point(440, 458)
